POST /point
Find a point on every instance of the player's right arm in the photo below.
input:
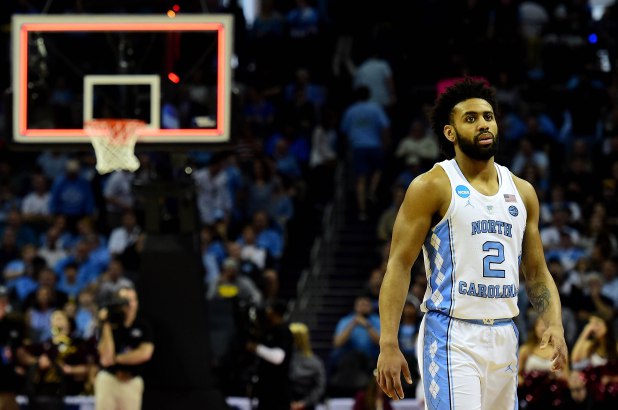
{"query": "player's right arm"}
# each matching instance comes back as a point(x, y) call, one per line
point(427, 199)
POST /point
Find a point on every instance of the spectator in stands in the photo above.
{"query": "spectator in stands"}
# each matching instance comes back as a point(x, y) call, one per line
point(286, 164)
point(557, 201)
point(11, 352)
point(566, 251)
point(38, 316)
point(51, 249)
point(25, 266)
point(323, 157)
point(61, 365)
point(86, 314)
point(313, 92)
point(69, 282)
point(72, 195)
point(258, 112)
point(88, 268)
point(576, 179)
point(609, 270)
point(213, 194)
point(233, 283)
point(24, 234)
point(578, 399)
point(281, 207)
point(46, 278)
point(247, 266)
point(538, 387)
point(53, 163)
point(595, 346)
point(125, 345)
point(213, 253)
point(599, 232)
point(111, 281)
point(372, 287)
point(274, 351)
point(418, 145)
point(251, 250)
point(596, 355)
point(260, 185)
point(124, 235)
point(590, 301)
point(9, 250)
point(307, 372)
point(303, 24)
point(527, 155)
point(366, 126)
point(358, 331)
point(8, 200)
point(266, 236)
point(269, 23)
point(550, 235)
point(270, 284)
point(35, 205)
point(534, 359)
point(119, 198)
point(375, 73)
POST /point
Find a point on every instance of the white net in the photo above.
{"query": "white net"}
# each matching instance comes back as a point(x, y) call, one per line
point(114, 143)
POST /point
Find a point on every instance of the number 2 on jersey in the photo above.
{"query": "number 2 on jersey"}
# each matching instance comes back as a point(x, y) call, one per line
point(494, 258)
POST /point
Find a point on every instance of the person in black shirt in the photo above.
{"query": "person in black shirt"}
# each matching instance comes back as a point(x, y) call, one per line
point(274, 350)
point(125, 344)
point(11, 338)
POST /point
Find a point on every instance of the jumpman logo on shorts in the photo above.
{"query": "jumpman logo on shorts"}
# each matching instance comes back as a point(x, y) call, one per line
point(509, 368)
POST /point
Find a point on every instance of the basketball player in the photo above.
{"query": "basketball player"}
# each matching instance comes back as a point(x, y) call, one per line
point(478, 227)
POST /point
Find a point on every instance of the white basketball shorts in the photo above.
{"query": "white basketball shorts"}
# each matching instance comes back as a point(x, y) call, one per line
point(468, 364)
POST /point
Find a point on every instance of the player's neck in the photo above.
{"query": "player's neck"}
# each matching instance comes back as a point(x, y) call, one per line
point(481, 174)
point(476, 170)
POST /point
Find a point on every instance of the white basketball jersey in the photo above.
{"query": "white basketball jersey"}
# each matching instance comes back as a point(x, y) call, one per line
point(472, 255)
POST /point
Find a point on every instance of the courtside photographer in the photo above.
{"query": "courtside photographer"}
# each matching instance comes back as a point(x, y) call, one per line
point(125, 344)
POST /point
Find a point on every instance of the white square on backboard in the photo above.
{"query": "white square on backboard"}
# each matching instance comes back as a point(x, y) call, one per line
point(154, 81)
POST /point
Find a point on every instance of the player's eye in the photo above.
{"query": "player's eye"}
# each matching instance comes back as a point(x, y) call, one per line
point(470, 118)
point(489, 116)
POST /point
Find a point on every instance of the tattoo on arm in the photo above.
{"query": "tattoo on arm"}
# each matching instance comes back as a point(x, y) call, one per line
point(539, 297)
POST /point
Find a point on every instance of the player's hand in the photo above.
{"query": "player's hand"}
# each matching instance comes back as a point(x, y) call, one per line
point(554, 337)
point(391, 364)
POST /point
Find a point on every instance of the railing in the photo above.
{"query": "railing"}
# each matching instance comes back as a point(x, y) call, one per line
point(314, 279)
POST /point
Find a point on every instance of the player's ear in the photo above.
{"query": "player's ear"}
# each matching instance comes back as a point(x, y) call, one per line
point(449, 133)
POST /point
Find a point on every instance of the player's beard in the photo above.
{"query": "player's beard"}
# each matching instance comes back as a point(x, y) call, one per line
point(476, 151)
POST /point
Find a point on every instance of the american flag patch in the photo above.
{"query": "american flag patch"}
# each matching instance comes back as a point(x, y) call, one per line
point(510, 198)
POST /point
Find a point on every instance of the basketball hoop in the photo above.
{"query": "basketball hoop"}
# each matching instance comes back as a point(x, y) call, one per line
point(114, 143)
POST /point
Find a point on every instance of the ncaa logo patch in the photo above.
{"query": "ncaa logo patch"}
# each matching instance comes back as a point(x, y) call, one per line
point(513, 210)
point(463, 191)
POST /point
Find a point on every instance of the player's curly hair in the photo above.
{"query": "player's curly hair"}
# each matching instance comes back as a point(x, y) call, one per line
point(442, 111)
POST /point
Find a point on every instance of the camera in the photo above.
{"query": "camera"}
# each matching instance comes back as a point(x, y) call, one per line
point(116, 310)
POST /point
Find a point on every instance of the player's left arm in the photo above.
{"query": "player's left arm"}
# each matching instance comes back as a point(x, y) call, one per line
point(540, 285)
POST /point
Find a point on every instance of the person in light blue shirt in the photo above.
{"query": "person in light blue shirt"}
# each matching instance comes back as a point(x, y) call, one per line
point(367, 127)
point(358, 331)
point(71, 194)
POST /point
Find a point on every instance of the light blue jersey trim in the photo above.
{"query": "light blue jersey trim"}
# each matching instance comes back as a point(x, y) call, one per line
point(437, 377)
point(516, 330)
point(439, 250)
